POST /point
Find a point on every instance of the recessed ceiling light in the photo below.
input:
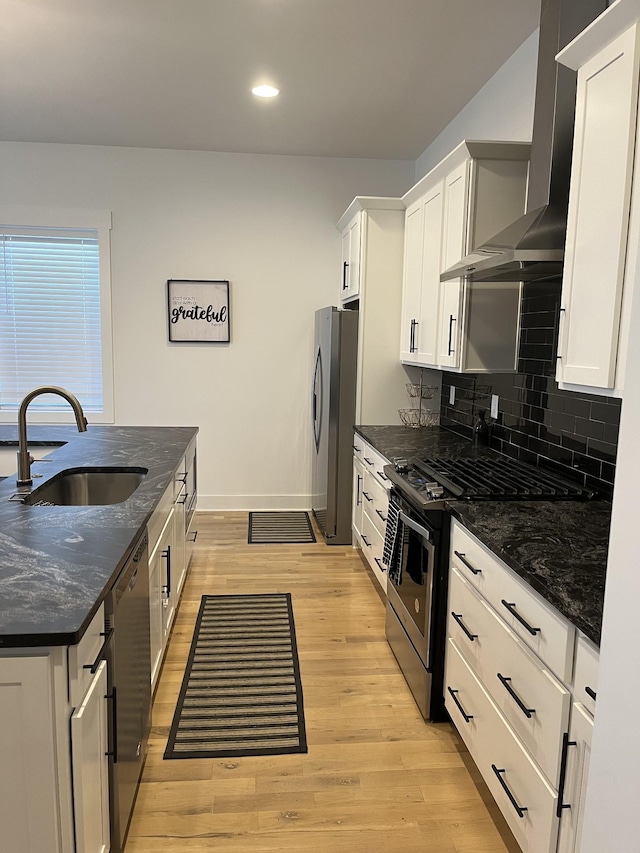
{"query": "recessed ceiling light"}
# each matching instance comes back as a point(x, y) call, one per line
point(265, 91)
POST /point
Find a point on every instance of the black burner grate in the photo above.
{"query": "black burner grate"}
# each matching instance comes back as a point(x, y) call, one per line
point(498, 479)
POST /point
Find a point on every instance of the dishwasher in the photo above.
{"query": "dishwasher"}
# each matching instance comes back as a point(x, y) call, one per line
point(129, 687)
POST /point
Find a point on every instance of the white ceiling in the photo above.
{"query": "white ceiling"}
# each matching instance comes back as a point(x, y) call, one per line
point(358, 78)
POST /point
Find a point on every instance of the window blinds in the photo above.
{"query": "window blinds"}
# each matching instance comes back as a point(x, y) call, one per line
point(50, 329)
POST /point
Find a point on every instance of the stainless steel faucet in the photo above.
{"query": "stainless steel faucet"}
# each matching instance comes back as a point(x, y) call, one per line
point(24, 457)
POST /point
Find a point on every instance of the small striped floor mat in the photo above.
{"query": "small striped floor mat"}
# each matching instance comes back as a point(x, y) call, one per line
point(280, 528)
point(241, 693)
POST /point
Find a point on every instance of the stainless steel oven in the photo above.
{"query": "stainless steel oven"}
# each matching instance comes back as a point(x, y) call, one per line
point(415, 595)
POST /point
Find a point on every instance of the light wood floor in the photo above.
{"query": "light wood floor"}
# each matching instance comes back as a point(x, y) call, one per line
point(376, 778)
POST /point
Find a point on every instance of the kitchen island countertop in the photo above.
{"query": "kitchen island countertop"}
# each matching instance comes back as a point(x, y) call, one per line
point(58, 562)
point(558, 547)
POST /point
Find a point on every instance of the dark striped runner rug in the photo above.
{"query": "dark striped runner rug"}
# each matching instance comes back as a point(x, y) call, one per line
point(280, 528)
point(241, 693)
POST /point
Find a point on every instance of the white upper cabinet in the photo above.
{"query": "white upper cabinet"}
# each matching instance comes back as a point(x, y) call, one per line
point(375, 225)
point(474, 193)
point(351, 248)
point(604, 204)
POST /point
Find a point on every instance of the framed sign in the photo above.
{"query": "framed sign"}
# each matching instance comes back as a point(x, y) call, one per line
point(198, 311)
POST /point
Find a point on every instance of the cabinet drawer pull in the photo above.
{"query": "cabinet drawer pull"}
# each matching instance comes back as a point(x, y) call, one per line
point(365, 495)
point(466, 562)
point(345, 267)
point(590, 692)
point(100, 656)
point(505, 683)
point(382, 476)
point(566, 743)
point(378, 561)
point(511, 607)
point(366, 541)
point(458, 618)
point(466, 716)
point(195, 536)
point(383, 517)
point(520, 810)
point(368, 461)
point(357, 449)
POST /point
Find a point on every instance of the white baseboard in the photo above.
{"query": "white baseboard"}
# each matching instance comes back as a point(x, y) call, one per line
point(252, 503)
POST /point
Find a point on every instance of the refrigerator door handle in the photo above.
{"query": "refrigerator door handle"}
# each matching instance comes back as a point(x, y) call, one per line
point(317, 399)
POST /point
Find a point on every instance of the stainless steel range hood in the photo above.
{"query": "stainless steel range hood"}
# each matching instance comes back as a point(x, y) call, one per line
point(532, 248)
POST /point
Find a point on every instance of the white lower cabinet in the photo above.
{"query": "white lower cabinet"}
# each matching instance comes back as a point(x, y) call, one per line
point(578, 754)
point(370, 505)
point(517, 675)
point(89, 747)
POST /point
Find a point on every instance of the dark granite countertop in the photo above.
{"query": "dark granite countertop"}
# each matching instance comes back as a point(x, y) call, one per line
point(558, 547)
point(56, 562)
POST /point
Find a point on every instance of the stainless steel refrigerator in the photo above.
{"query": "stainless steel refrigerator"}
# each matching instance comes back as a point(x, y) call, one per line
point(334, 407)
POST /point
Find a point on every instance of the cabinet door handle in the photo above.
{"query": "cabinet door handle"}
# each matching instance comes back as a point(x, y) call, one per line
point(566, 743)
point(100, 657)
point(114, 729)
point(452, 320)
point(366, 541)
point(195, 536)
point(528, 712)
point(358, 492)
point(458, 618)
point(167, 556)
point(520, 810)
point(382, 476)
point(590, 692)
point(511, 607)
point(383, 517)
point(365, 495)
point(368, 461)
point(345, 266)
point(466, 716)
point(412, 341)
point(463, 559)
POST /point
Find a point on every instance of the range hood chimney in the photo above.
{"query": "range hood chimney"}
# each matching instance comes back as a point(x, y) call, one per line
point(532, 248)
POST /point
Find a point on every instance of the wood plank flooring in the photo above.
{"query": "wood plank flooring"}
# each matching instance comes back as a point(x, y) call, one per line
point(376, 778)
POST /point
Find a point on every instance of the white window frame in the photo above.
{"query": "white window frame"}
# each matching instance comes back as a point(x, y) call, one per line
point(100, 220)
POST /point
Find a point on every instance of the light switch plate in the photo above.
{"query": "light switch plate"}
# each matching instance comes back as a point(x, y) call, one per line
point(494, 406)
point(452, 395)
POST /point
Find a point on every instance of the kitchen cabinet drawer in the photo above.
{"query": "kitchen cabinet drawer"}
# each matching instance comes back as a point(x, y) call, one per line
point(524, 797)
point(534, 703)
point(359, 445)
point(528, 615)
point(375, 501)
point(374, 463)
point(585, 674)
point(372, 543)
point(82, 657)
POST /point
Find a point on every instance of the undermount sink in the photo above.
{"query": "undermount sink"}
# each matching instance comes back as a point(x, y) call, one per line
point(88, 487)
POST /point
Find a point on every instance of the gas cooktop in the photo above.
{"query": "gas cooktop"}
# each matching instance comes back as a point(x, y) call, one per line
point(429, 482)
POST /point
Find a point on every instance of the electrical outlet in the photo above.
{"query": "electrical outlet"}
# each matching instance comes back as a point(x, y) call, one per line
point(494, 406)
point(452, 395)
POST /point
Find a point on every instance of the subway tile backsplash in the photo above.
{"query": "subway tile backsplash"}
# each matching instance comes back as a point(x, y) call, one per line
point(574, 434)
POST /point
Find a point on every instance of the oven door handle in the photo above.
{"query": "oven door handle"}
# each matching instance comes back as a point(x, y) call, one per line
point(421, 531)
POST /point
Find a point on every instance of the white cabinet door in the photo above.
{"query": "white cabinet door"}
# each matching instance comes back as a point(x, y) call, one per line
point(351, 240)
point(598, 216)
point(578, 754)
point(358, 480)
point(90, 768)
point(28, 780)
point(454, 245)
point(155, 614)
point(413, 237)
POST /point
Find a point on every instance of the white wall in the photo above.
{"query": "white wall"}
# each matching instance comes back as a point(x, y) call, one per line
point(502, 109)
point(266, 223)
